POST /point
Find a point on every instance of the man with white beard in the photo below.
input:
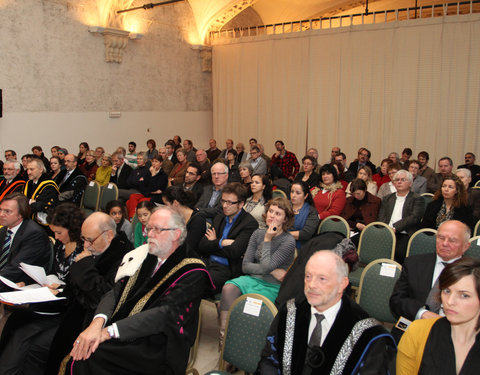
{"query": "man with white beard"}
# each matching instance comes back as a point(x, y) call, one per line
point(151, 315)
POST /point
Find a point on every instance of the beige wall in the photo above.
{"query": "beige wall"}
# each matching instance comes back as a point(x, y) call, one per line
point(57, 89)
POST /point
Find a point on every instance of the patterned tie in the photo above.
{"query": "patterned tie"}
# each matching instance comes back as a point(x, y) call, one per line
point(433, 301)
point(6, 248)
point(316, 337)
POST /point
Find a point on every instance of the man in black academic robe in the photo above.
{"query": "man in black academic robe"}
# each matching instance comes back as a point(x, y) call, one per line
point(151, 315)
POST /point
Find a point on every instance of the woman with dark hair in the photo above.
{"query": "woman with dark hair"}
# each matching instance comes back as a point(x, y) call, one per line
point(361, 208)
point(450, 202)
point(183, 201)
point(232, 163)
point(89, 168)
point(177, 175)
point(450, 344)
point(328, 197)
point(152, 149)
point(118, 212)
point(309, 163)
point(261, 194)
point(56, 168)
point(82, 153)
point(306, 216)
point(65, 221)
point(143, 211)
point(269, 253)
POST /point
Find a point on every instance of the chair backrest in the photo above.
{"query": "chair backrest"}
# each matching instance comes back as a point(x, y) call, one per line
point(91, 197)
point(477, 184)
point(334, 223)
point(245, 334)
point(474, 249)
point(422, 242)
point(376, 286)
point(377, 241)
point(428, 198)
point(109, 193)
point(476, 230)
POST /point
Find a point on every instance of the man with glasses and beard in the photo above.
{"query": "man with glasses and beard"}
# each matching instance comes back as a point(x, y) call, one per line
point(147, 322)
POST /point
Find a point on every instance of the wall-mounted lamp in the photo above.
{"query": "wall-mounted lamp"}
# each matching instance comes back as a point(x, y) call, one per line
point(115, 41)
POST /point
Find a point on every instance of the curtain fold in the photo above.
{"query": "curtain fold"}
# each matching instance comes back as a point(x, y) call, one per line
point(386, 86)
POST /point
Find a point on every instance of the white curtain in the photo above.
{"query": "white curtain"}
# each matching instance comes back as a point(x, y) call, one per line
point(386, 86)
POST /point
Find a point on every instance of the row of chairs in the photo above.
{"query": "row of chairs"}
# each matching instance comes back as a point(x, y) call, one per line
point(96, 197)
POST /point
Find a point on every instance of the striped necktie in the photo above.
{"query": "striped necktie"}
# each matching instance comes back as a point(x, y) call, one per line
point(6, 248)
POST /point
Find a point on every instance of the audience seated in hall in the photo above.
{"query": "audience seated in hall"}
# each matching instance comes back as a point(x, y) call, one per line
point(343, 173)
point(120, 171)
point(213, 152)
point(405, 158)
point(167, 165)
point(38, 153)
point(209, 202)
point(259, 164)
point(473, 195)
point(284, 164)
point(328, 197)
point(450, 202)
point(309, 165)
point(190, 150)
point(99, 152)
point(419, 185)
point(89, 168)
point(365, 173)
point(306, 217)
point(131, 155)
point(11, 181)
point(104, 172)
point(233, 172)
point(83, 148)
point(135, 178)
point(223, 246)
point(151, 149)
point(470, 165)
point(414, 294)
point(228, 147)
point(205, 164)
point(445, 166)
point(246, 172)
point(117, 210)
point(177, 175)
point(72, 182)
point(382, 176)
point(193, 182)
point(261, 190)
point(363, 158)
point(402, 211)
point(389, 187)
point(361, 208)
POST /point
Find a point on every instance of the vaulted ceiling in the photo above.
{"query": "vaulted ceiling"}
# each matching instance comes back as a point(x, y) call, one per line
point(217, 14)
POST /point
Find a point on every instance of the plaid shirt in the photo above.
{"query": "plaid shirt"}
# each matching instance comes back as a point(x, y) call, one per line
point(288, 164)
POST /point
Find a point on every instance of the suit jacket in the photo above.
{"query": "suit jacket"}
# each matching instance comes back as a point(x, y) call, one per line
point(412, 288)
point(241, 232)
point(411, 214)
point(202, 203)
point(261, 167)
point(197, 190)
point(121, 180)
point(373, 352)
point(419, 185)
point(30, 245)
point(353, 167)
point(72, 189)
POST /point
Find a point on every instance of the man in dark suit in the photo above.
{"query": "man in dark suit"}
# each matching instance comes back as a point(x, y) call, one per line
point(474, 168)
point(363, 159)
point(73, 182)
point(420, 273)
point(209, 202)
point(402, 211)
point(21, 240)
point(120, 171)
point(223, 246)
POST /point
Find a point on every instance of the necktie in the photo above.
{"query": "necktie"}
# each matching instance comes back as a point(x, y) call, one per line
point(316, 337)
point(6, 248)
point(433, 300)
